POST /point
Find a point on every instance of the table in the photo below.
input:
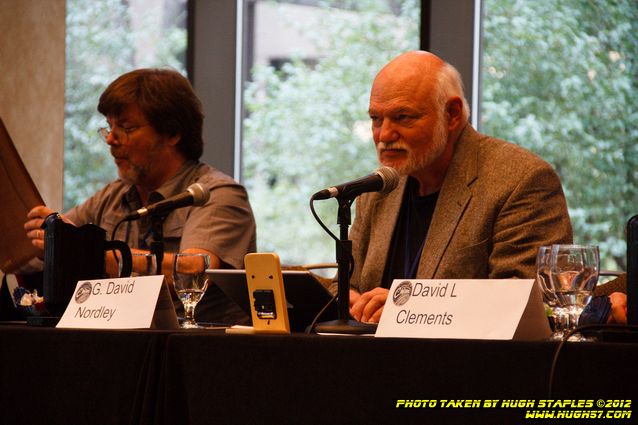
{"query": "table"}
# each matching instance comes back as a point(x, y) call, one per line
point(60, 376)
point(54, 376)
point(314, 379)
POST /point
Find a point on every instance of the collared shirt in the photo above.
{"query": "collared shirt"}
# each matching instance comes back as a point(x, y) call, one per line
point(224, 226)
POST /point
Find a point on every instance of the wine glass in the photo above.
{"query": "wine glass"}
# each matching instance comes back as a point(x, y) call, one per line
point(573, 276)
point(190, 282)
point(558, 314)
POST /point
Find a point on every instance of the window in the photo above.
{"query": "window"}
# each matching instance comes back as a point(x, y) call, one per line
point(105, 39)
point(559, 77)
point(306, 101)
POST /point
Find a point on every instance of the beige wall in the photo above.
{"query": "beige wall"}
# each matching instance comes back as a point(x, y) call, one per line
point(32, 58)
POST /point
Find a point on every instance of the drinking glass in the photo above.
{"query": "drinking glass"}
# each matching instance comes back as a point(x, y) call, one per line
point(573, 276)
point(559, 316)
point(190, 281)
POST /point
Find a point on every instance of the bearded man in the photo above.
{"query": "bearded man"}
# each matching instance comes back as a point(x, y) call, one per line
point(153, 128)
point(468, 206)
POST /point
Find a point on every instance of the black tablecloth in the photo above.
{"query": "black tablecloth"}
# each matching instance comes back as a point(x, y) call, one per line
point(53, 376)
point(318, 379)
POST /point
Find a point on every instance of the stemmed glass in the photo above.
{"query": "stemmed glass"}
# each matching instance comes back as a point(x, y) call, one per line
point(559, 316)
point(190, 282)
point(573, 276)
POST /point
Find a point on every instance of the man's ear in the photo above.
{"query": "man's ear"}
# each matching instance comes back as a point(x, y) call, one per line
point(174, 140)
point(454, 113)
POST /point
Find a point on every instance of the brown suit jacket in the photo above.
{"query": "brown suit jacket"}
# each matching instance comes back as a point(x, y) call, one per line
point(498, 204)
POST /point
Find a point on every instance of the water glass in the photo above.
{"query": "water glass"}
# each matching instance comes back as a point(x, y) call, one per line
point(573, 276)
point(558, 313)
point(190, 282)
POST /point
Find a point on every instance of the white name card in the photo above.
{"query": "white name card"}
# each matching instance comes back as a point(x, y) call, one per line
point(124, 303)
point(467, 309)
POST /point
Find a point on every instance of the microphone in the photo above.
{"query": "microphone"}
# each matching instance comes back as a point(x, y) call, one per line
point(195, 195)
point(383, 180)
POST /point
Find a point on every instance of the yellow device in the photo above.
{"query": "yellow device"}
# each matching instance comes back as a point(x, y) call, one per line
point(266, 293)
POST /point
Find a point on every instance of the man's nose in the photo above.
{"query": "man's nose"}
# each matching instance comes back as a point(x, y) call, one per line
point(387, 133)
point(112, 139)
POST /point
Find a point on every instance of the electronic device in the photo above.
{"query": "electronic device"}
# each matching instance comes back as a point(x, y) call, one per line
point(266, 293)
point(305, 295)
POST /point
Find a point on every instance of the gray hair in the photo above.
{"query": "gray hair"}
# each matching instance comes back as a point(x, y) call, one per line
point(450, 84)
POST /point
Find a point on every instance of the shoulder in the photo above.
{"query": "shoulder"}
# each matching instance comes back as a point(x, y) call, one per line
point(498, 158)
point(507, 154)
point(116, 188)
point(225, 192)
point(108, 198)
point(214, 179)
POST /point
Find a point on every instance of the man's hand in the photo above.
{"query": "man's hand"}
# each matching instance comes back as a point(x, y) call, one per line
point(33, 226)
point(369, 305)
point(354, 296)
point(618, 312)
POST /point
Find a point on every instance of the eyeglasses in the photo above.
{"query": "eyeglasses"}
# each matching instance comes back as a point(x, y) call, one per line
point(120, 133)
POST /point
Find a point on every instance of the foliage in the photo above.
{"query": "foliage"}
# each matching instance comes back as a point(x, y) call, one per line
point(100, 46)
point(307, 126)
point(560, 78)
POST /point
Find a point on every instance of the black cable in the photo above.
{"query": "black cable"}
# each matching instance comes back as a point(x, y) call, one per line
point(117, 261)
point(616, 328)
point(115, 228)
point(332, 235)
point(310, 328)
point(314, 213)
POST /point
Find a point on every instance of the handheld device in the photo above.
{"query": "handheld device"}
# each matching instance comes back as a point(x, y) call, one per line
point(266, 293)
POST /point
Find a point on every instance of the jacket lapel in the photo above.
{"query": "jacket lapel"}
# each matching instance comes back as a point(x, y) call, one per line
point(454, 197)
point(383, 223)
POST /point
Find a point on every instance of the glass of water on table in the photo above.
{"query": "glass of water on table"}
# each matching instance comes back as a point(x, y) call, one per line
point(190, 282)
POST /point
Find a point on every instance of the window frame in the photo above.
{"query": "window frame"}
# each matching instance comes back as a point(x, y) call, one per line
point(217, 51)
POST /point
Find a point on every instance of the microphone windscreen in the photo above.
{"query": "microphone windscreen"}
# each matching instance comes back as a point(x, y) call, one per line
point(200, 194)
point(390, 178)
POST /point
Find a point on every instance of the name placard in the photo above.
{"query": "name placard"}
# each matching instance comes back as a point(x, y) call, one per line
point(465, 309)
point(124, 303)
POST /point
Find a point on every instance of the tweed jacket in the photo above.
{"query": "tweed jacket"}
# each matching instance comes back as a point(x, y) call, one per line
point(497, 205)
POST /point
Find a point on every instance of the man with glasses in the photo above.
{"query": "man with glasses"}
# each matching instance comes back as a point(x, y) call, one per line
point(155, 137)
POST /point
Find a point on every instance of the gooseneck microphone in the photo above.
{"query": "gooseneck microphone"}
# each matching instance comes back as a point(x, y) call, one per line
point(195, 195)
point(383, 180)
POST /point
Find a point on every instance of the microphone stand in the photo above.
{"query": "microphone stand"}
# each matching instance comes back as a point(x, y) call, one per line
point(344, 324)
point(157, 245)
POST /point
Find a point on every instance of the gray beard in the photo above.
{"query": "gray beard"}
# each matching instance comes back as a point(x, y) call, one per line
point(414, 163)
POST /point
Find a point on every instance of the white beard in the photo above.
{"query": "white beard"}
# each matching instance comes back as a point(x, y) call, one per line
point(415, 163)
